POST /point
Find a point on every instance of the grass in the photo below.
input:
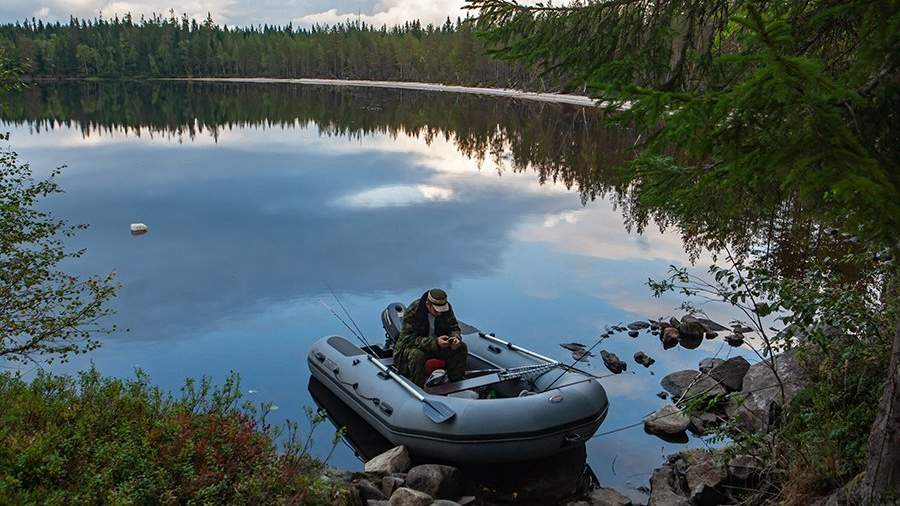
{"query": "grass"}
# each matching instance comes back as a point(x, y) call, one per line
point(92, 439)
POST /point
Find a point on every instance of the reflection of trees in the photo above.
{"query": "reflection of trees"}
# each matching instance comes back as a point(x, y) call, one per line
point(560, 143)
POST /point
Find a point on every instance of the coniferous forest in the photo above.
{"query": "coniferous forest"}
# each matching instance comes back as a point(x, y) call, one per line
point(183, 47)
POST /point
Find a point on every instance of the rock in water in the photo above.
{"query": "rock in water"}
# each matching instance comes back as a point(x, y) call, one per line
point(707, 364)
point(632, 333)
point(642, 358)
point(573, 346)
point(689, 384)
point(138, 229)
point(730, 373)
point(395, 460)
point(663, 395)
point(664, 489)
point(669, 337)
point(735, 339)
point(408, 497)
point(435, 480)
point(690, 328)
point(612, 362)
point(690, 341)
point(638, 325)
point(667, 421)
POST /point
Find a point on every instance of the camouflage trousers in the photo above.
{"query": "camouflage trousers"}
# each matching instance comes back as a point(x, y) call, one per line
point(411, 363)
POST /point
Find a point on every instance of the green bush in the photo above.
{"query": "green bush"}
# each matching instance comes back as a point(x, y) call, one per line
point(93, 439)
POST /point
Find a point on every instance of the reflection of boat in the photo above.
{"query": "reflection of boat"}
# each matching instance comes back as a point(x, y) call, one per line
point(365, 442)
point(528, 415)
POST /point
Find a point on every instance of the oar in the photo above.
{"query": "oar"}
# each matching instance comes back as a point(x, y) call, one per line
point(437, 411)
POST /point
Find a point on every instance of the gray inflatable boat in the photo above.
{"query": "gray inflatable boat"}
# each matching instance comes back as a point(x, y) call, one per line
point(502, 411)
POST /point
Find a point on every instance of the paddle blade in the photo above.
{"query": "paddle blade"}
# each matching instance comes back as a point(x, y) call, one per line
point(437, 411)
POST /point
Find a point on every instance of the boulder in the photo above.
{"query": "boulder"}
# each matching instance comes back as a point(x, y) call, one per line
point(638, 325)
point(669, 337)
point(704, 476)
point(760, 400)
point(633, 333)
point(395, 460)
point(643, 359)
point(612, 362)
point(690, 341)
point(607, 497)
point(703, 423)
point(689, 384)
point(730, 373)
point(369, 491)
point(408, 497)
point(736, 339)
point(664, 490)
point(435, 480)
point(373, 502)
point(466, 500)
point(707, 364)
point(690, 328)
point(391, 483)
point(743, 469)
point(666, 421)
point(662, 395)
point(444, 502)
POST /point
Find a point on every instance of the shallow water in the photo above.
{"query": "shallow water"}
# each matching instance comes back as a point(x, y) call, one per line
point(260, 197)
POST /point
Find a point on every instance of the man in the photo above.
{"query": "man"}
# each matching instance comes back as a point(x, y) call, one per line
point(430, 339)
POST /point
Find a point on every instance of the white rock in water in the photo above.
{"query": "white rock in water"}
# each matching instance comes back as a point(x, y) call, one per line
point(138, 229)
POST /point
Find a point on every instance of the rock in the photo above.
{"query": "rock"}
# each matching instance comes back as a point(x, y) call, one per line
point(711, 335)
point(435, 480)
point(663, 395)
point(669, 337)
point(742, 329)
point(730, 373)
point(690, 328)
point(702, 469)
point(612, 362)
point(408, 497)
point(466, 500)
point(138, 229)
point(707, 364)
point(667, 421)
point(391, 483)
point(395, 460)
point(643, 359)
point(638, 325)
point(689, 384)
point(664, 490)
point(759, 402)
point(608, 497)
point(373, 502)
point(743, 469)
point(444, 502)
point(734, 339)
point(674, 322)
point(703, 422)
point(690, 341)
point(632, 333)
point(369, 491)
point(573, 346)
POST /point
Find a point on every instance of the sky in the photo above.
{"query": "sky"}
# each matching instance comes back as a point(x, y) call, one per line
point(243, 12)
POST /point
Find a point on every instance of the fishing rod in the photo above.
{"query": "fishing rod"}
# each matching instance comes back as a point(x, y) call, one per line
point(347, 313)
point(359, 337)
point(572, 365)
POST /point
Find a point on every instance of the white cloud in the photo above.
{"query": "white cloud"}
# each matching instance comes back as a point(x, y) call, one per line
point(43, 12)
point(393, 12)
point(222, 11)
point(397, 195)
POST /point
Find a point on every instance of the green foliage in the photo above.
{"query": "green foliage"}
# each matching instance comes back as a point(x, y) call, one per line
point(172, 47)
point(742, 104)
point(47, 314)
point(95, 440)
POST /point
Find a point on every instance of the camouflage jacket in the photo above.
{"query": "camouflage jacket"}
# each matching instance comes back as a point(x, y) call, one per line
point(414, 333)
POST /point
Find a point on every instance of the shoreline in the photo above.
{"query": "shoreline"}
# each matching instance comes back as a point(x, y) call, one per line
point(405, 85)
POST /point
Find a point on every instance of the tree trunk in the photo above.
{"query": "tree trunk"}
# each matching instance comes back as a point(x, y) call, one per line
point(882, 480)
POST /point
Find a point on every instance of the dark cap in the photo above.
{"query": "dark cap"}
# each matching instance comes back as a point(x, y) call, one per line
point(438, 300)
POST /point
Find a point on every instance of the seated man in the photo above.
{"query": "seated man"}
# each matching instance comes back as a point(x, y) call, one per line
point(430, 335)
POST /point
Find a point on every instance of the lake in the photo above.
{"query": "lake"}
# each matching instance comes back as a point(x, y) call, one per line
point(259, 198)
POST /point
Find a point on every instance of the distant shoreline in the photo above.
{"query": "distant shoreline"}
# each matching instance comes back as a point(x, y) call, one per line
point(406, 85)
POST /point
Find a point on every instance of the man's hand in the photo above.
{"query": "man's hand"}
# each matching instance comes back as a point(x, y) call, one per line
point(455, 343)
point(443, 342)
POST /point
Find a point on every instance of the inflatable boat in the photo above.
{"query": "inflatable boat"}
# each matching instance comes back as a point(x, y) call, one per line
point(512, 405)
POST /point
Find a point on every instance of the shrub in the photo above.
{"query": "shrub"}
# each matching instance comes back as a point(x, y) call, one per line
point(93, 439)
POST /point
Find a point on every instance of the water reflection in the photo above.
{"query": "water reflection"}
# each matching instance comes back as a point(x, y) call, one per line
point(256, 197)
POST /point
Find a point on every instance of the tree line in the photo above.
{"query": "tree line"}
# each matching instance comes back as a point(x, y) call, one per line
point(181, 47)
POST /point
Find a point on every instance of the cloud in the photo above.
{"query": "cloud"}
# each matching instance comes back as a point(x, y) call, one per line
point(393, 12)
point(222, 11)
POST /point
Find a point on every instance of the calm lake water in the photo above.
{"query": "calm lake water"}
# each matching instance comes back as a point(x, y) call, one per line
point(258, 197)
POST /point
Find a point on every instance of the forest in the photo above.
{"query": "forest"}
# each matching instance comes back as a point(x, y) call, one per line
point(182, 47)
